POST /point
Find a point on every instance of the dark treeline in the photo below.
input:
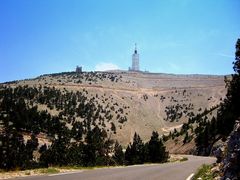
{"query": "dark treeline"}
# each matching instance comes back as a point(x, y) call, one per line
point(67, 140)
point(69, 105)
point(153, 151)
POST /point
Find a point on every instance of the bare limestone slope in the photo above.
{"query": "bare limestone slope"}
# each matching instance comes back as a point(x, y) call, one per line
point(151, 102)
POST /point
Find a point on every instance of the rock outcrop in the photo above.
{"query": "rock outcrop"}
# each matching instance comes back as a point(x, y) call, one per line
point(230, 165)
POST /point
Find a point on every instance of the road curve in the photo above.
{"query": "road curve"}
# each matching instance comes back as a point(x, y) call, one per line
point(167, 171)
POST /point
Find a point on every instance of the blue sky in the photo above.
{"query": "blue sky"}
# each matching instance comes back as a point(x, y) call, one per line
point(173, 36)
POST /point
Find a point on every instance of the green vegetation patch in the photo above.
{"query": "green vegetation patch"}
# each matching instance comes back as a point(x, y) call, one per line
point(183, 159)
point(49, 171)
point(204, 173)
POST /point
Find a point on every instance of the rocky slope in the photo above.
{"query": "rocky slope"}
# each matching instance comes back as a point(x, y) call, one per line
point(137, 102)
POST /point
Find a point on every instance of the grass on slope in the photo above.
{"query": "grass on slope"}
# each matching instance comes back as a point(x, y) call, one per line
point(204, 173)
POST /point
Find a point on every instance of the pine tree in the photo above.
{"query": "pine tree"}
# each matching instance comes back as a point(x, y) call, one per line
point(128, 155)
point(31, 146)
point(185, 140)
point(118, 156)
point(135, 151)
point(97, 148)
point(156, 149)
point(77, 131)
point(230, 109)
point(43, 160)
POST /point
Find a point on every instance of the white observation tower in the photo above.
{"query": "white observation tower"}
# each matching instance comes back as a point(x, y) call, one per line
point(135, 60)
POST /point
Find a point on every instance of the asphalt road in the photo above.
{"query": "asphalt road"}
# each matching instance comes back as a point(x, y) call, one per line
point(167, 171)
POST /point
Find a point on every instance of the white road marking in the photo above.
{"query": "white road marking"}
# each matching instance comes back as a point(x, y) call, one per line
point(65, 173)
point(190, 177)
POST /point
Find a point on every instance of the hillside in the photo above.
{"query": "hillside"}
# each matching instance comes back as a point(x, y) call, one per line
point(126, 102)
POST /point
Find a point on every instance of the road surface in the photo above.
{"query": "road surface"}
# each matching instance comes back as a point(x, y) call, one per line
point(167, 171)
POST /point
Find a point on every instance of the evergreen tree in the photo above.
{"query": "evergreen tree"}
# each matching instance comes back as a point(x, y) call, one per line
point(128, 155)
point(44, 157)
point(186, 138)
point(135, 151)
point(57, 153)
point(77, 131)
point(74, 154)
point(31, 146)
point(118, 156)
point(97, 148)
point(156, 149)
point(230, 109)
point(12, 149)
